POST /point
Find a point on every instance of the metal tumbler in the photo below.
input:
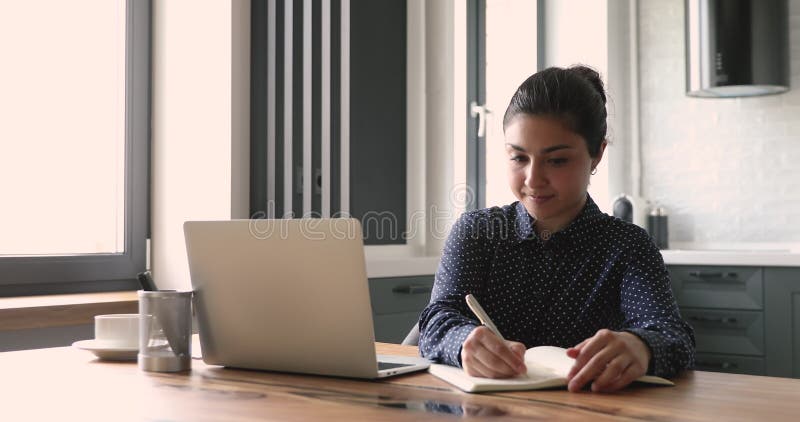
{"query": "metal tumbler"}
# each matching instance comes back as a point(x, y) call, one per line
point(657, 227)
point(165, 330)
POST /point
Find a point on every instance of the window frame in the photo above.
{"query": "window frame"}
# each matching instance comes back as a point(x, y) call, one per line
point(476, 92)
point(51, 274)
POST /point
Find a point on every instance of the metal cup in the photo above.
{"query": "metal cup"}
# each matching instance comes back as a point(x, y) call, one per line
point(657, 227)
point(165, 330)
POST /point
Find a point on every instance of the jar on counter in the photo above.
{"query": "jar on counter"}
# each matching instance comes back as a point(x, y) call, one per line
point(657, 227)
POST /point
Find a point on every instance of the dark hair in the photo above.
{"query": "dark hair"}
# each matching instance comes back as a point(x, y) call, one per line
point(573, 95)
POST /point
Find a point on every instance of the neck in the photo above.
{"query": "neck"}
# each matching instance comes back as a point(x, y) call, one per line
point(546, 228)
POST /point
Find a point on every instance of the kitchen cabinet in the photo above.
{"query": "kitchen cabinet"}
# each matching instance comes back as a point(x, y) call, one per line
point(717, 362)
point(397, 303)
point(718, 287)
point(782, 317)
point(746, 319)
point(725, 306)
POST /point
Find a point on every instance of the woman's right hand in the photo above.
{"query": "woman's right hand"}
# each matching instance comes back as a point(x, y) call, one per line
point(483, 354)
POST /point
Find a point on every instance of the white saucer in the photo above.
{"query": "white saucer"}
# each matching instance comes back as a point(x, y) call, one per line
point(104, 350)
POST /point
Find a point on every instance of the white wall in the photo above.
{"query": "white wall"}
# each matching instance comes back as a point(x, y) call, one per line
point(200, 132)
point(596, 33)
point(725, 169)
point(439, 127)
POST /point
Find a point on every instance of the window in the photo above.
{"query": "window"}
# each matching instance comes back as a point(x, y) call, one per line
point(502, 52)
point(507, 41)
point(74, 133)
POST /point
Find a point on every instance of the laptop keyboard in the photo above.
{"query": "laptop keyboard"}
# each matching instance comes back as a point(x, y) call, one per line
point(390, 365)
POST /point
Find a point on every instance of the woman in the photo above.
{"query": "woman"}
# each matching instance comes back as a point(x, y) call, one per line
point(551, 268)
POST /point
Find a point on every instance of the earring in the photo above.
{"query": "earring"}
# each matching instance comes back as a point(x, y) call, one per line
point(594, 171)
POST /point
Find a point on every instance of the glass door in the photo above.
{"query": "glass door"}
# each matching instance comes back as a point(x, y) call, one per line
point(502, 51)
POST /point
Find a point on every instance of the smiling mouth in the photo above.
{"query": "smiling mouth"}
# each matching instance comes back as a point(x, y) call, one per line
point(538, 199)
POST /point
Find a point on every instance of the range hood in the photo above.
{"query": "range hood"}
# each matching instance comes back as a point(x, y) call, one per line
point(737, 48)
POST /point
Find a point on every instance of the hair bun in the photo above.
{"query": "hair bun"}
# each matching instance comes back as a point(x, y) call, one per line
point(574, 95)
point(592, 76)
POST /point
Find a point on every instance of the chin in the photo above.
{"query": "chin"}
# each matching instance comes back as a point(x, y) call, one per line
point(537, 211)
point(551, 209)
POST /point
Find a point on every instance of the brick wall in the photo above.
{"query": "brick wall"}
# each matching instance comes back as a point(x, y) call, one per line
point(725, 169)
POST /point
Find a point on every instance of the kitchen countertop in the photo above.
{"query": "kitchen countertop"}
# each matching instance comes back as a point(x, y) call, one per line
point(754, 254)
point(760, 254)
point(401, 267)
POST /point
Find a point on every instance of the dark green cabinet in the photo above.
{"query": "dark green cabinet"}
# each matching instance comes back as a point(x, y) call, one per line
point(725, 306)
point(718, 287)
point(396, 305)
point(727, 331)
point(782, 316)
point(733, 364)
point(746, 319)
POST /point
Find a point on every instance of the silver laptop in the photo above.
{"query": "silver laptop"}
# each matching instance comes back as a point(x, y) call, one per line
point(286, 295)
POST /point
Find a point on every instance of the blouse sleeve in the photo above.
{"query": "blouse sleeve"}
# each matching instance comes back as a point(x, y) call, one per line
point(446, 322)
point(652, 314)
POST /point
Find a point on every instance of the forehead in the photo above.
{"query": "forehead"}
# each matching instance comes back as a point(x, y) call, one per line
point(533, 133)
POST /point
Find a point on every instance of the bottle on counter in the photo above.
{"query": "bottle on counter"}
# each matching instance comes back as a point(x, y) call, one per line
point(657, 227)
point(632, 209)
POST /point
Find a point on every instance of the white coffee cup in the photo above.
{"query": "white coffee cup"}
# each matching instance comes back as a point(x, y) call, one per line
point(117, 330)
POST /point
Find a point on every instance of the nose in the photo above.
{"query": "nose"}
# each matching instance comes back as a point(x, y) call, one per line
point(535, 176)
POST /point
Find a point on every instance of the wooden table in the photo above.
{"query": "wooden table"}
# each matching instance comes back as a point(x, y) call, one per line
point(70, 384)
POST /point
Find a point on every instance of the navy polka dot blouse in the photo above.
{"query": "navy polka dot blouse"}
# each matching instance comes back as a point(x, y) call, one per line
point(598, 272)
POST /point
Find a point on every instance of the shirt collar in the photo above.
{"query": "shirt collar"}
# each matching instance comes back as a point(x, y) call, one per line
point(524, 223)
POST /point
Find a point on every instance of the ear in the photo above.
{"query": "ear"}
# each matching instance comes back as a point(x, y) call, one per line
point(596, 160)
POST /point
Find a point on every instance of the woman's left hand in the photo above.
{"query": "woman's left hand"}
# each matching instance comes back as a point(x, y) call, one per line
point(610, 360)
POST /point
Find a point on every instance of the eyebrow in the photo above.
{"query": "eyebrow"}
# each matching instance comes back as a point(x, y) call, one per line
point(543, 151)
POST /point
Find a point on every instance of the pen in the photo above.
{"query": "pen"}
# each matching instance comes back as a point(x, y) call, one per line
point(481, 314)
point(146, 281)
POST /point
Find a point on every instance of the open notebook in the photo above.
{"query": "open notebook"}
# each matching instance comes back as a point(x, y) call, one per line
point(548, 367)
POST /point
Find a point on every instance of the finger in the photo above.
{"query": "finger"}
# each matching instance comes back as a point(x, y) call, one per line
point(573, 351)
point(630, 374)
point(583, 356)
point(495, 356)
point(492, 367)
point(612, 371)
point(500, 358)
point(475, 368)
point(518, 349)
point(591, 370)
point(469, 348)
point(502, 350)
point(593, 345)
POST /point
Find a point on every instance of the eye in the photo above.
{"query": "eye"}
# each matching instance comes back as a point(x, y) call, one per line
point(518, 158)
point(558, 161)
